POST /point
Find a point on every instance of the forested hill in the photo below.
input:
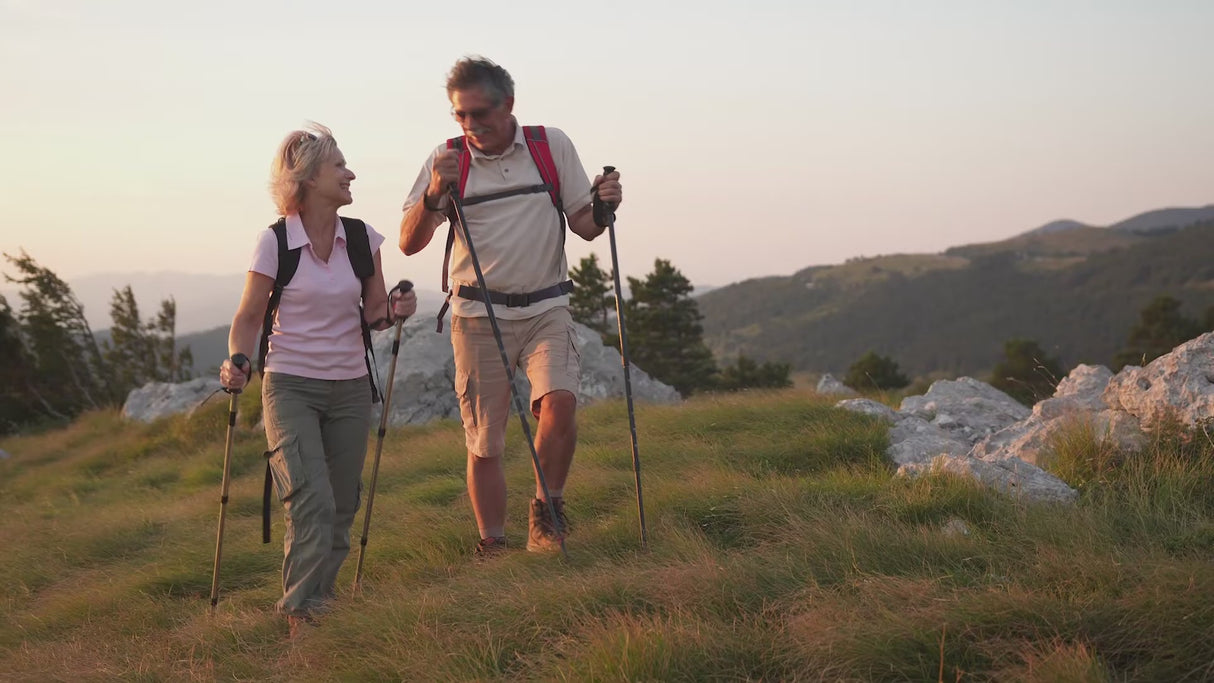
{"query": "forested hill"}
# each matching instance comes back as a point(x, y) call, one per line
point(1076, 292)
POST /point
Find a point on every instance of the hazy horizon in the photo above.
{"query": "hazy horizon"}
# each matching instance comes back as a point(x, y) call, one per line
point(208, 300)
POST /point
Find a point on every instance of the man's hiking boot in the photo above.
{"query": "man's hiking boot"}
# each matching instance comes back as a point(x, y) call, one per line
point(490, 547)
point(542, 535)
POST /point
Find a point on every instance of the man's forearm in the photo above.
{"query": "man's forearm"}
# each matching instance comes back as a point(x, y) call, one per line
point(417, 227)
point(582, 224)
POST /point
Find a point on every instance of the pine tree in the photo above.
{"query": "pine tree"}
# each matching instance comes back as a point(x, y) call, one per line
point(128, 353)
point(591, 299)
point(16, 406)
point(665, 336)
point(172, 364)
point(140, 352)
point(1161, 327)
point(51, 366)
point(69, 373)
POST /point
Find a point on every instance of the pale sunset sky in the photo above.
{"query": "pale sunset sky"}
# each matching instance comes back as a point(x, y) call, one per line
point(753, 138)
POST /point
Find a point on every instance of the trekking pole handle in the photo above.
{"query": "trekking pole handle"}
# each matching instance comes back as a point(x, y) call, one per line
point(402, 287)
point(238, 359)
point(607, 170)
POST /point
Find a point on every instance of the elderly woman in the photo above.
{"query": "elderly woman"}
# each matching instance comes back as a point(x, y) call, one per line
point(316, 393)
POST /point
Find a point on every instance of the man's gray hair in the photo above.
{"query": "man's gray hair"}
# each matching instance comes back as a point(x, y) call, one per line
point(472, 72)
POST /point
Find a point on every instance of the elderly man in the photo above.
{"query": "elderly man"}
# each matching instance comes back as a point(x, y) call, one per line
point(518, 185)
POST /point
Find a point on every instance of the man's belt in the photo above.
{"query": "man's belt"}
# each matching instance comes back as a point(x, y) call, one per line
point(515, 300)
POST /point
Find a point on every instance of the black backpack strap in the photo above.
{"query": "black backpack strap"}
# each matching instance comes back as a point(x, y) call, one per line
point(288, 263)
point(358, 248)
point(442, 311)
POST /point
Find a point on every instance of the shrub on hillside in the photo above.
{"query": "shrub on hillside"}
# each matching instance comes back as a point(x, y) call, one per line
point(1161, 327)
point(1026, 373)
point(873, 371)
point(746, 373)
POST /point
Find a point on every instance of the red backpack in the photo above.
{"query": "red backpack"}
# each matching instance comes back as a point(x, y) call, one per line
point(541, 154)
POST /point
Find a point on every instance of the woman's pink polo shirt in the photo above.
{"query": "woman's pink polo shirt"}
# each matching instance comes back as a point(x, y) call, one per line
point(317, 332)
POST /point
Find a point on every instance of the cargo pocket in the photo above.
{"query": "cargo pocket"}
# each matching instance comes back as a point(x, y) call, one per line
point(575, 356)
point(466, 393)
point(286, 467)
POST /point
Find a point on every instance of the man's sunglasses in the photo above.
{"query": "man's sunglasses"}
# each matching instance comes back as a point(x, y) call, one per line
point(477, 114)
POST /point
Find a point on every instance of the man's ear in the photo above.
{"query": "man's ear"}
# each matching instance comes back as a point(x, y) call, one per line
point(510, 104)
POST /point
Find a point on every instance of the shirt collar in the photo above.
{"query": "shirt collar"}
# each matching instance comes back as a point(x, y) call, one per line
point(519, 141)
point(298, 237)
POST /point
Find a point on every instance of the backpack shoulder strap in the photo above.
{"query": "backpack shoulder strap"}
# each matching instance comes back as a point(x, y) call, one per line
point(288, 259)
point(465, 160)
point(288, 263)
point(358, 247)
point(541, 154)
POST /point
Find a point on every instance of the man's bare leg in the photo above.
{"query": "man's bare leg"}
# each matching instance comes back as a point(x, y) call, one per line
point(555, 440)
point(487, 490)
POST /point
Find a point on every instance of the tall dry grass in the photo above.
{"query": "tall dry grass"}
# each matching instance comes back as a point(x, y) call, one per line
point(781, 548)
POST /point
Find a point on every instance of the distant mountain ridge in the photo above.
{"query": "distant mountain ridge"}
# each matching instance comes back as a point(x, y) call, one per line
point(1046, 255)
point(1075, 289)
point(1057, 226)
point(1148, 221)
point(1161, 219)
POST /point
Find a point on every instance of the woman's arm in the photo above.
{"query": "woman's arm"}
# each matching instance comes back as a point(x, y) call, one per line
point(242, 338)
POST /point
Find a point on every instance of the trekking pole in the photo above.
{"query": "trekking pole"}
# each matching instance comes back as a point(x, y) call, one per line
point(501, 347)
point(619, 317)
point(238, 359)
point(403, 286)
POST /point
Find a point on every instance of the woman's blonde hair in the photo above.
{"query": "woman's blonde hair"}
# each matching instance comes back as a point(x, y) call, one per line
point(299, 157)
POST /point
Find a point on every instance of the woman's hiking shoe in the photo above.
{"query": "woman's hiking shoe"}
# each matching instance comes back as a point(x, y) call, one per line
point(542, 535)
point(297, 625)
point(490, 547)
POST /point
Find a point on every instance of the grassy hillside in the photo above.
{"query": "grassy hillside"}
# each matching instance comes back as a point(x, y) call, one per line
point(1076, 292)
point(781, 548)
